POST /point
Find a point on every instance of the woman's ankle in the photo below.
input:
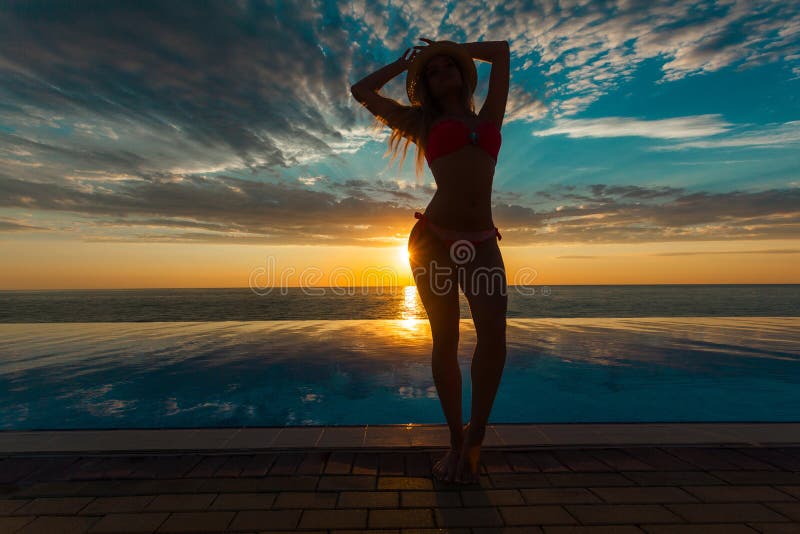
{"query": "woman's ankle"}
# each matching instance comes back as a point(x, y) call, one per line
point(474, 434)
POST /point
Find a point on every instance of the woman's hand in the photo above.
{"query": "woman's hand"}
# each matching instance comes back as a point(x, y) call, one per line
point(406, 61)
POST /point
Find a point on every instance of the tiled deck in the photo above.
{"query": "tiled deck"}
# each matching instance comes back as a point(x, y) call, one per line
point(617, 478)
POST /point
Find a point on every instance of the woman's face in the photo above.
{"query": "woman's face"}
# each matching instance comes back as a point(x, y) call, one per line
point(442, 75)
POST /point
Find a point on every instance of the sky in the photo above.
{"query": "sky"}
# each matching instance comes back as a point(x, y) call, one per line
point(204, 144)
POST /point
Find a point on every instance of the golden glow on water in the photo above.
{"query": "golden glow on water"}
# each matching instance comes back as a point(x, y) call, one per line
point(412, 314)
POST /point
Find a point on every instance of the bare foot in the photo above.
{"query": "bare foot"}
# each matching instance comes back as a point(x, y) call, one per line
point(445, 468)
point(468, 465)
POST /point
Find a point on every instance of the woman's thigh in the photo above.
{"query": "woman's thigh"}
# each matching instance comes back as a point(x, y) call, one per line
point(483, 280)
point(437, 283)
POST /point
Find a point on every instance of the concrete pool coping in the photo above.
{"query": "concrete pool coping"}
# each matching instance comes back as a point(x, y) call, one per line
point(414, 436)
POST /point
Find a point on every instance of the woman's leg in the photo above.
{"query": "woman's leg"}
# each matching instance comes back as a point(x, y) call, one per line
point(436, 282)
point(484, 283)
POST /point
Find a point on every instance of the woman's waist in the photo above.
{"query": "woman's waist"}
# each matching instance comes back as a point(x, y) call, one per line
point(454, 219)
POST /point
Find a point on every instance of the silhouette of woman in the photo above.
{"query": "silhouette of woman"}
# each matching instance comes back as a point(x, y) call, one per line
point(454, 243)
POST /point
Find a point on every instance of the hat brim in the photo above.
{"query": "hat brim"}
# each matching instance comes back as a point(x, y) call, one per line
point(450, 48)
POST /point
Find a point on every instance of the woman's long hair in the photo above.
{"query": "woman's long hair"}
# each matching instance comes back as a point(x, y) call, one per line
point(413, 122)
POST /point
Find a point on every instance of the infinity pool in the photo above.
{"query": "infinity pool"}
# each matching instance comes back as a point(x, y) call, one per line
point(356, 372)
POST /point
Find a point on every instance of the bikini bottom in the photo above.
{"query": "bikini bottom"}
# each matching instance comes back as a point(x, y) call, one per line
point(448, 236)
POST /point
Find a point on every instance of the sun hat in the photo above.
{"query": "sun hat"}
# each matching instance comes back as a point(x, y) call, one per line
point(450, 48)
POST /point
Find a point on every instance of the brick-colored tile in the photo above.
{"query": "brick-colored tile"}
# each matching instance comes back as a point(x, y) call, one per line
point(176, 502)
point(54, 506)
point(263, 520)
point(404, 483)
point(333, 519)
point(622, 513)
point(483, 516)
point(738, 493)
point(346, 482)
point(243, 501)
point(59, 523)
point(728, 513)
point(306, 499)
point(770, 478)
point(431, 499)
point(789, 509)
point(196, 522)
point(8, 506)
point(587, 479)
point(137, 522)
point(671, 478)
point(368, 499)
point(775, 528)
point(519, 480)
point(645, 494)
point(13, 524)
point(558, 495)
point(536, 515)
point(708, 528)
point(492, 497)
point(407, 518)
point(593, 529)
point(118, 504)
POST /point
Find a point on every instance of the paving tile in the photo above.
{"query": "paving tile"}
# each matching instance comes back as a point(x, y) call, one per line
point(547, 461)
point(60, 524)
point(259, 465)
point(334, 519)
point(790, 490)
point(51, 489)
point(719, 528)
point(657, 459)
point(8, 506)
point(519, 480)
point(306, 499)
point(418, 464)
point(234, 465)
point(771, 478)
point(536, 515)
point(176, 502)
point(521, 462)
point(558, 495)
point(243, 501)
point(339, 463)
point(788, 509)
point(108, 505)
point(313, 463)
point(738, 493)
point(346, 482)
point(342, 437)
point(406, 518)
point(368, 499)
point(581, 460)
point(775, 528)
point(491, 497)
point(645, 494)
point(619, 460)
point(404, 483)
point(701, 457)
point(390, 463)
point(14, 524)
point(262, 520)
point(129, 522)
point(297, 437)
point(476, 516)
point(430, 499)
point(622, 513)
point(587, 479)
point(673, 478)
point(387, 436)
point(253, 438)
point(504, 530)
point(365, 463)
point(719, 513)
point(197, 522)
point(54, 505)
point(592, 529)
point(287, 463)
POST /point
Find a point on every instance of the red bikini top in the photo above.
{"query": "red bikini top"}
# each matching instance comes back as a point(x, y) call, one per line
point(449, 135)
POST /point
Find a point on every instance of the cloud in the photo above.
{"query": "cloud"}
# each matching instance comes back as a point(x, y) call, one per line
point(769, 136)
point(677, 127)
